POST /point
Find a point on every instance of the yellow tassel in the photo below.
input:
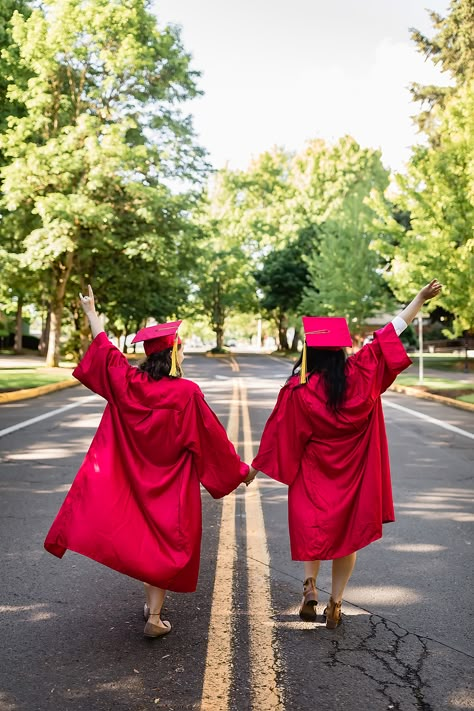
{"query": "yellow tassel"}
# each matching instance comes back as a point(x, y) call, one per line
point(303, 366)
point(174, 358)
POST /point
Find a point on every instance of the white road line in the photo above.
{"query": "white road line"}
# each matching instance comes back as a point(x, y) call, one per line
point(432, 420)
point(266, 694)
point(33, 420)
point(218, 671)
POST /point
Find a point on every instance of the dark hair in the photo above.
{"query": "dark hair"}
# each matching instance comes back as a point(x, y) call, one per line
point(332, 367)
point(158, 365)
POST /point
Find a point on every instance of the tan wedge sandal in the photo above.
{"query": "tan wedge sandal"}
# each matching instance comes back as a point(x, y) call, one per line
point(310, 600)
point(333, 614)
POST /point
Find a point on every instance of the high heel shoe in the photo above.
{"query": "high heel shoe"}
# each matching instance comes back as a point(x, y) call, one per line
point(332, 613)
point(310, 600)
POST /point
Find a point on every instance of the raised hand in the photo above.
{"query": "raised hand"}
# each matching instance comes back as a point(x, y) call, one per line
point(431, 290)
point(87, 302)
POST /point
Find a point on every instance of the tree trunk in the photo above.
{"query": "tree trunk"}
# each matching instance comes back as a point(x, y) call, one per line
point(43, 344)
point(61, 272)
point(218, 317)
point(219, 337)
point(282, 323)
point(19, 326)
point(296, 338)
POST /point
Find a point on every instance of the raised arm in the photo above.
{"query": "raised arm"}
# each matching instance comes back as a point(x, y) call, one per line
point(88, 304)
point(409, 312)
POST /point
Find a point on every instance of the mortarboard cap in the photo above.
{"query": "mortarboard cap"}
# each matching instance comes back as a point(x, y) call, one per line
point(326, 332)
point(330, 333)
point(159, 337)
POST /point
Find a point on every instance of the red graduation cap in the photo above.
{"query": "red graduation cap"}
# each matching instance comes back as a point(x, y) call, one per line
point(326, 332)
point(159, 337)
point(331, 333)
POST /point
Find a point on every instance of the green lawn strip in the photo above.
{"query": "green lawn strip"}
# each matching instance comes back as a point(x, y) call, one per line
point(16, 379)
point(454, 363)
point(456, 389)
point(467, 398)
point(435, 383)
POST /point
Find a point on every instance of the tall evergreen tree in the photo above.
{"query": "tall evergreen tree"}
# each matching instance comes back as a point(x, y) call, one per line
point(452, 49)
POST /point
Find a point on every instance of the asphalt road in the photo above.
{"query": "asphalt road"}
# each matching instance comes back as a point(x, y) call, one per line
point(71, 630)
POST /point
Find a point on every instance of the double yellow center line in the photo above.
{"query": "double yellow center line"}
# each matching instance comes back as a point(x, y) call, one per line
point(266, 695)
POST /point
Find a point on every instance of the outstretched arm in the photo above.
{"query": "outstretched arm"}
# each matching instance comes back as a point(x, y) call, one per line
point(88, 304)
point(406, 316)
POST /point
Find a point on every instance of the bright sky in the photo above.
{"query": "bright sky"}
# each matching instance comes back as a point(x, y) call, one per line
point(281, 72)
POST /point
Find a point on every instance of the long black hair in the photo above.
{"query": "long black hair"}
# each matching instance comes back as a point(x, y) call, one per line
point(158, 365)
point(332, 367)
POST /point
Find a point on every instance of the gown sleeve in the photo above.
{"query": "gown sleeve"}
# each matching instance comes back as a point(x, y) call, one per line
point(378, 363)
point(219, 467)
point(285, 436)
point(103, 369)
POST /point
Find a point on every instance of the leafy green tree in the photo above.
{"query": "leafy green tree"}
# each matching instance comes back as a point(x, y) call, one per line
point(9, 62)
point(224, 281)
point(100, 137)
point(282, 280)
point(438, 191)
point(344, 272)
point(452, 49)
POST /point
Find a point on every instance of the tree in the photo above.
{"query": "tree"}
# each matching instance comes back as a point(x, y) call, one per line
point(99, 138)
point(9, 62)
point(438, 192)
point(222, 275)
point(282, 280)
point(345, 280)
point(344, 272)
point(452, 48)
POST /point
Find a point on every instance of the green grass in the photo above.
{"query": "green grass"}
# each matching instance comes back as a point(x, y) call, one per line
point(435, 383)
point(20, 378)
point(467, 398)
point(441, 361)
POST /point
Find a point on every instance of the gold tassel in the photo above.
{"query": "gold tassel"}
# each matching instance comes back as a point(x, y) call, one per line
point(303, 366)
point(174, 358)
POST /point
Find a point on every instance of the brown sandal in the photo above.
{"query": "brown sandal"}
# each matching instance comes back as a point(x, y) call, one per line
point(152, 630)
point(310, 600)
point(333, 614)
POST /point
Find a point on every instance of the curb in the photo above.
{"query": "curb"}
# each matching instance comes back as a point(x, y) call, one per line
point(451, 402)
point(36, 392)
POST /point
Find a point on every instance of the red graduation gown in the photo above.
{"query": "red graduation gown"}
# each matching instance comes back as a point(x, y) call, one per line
point(336, 466)
point(135, 504)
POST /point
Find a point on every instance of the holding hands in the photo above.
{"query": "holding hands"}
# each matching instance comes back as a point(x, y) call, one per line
point(251, 476)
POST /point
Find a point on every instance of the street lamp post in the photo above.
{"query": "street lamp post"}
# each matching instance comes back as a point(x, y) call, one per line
point(420, 349)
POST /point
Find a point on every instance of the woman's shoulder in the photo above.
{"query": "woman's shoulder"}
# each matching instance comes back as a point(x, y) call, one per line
point(186, 386)
point(292, 382)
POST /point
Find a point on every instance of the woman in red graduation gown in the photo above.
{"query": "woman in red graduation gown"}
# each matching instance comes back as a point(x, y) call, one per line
point(326, 440)
point(135, 504)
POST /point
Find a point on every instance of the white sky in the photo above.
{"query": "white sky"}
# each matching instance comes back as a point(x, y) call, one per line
point(281, 72)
